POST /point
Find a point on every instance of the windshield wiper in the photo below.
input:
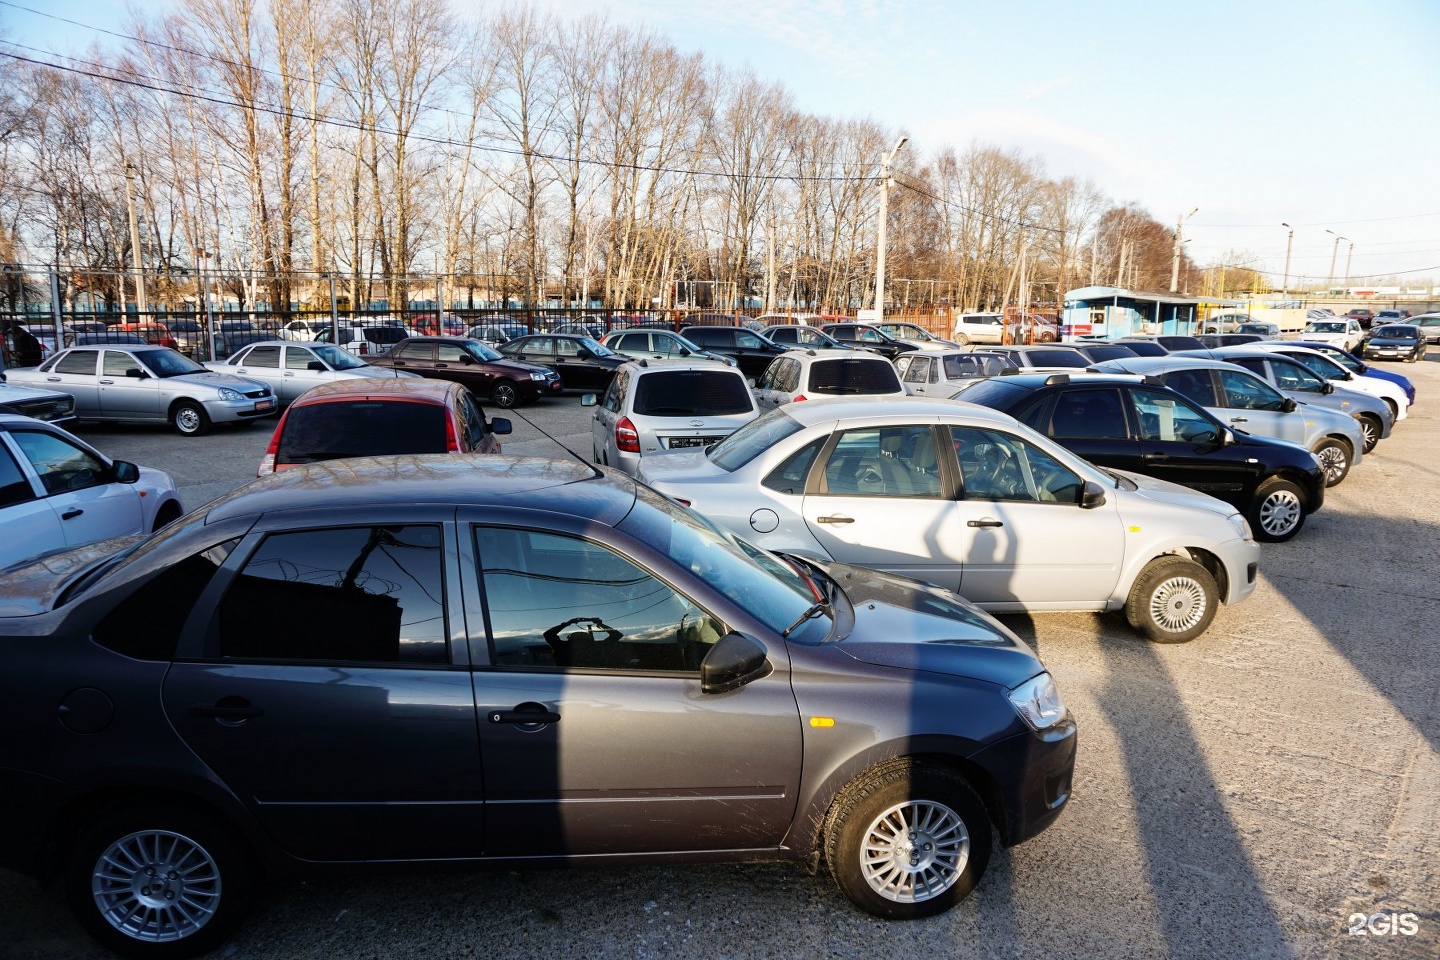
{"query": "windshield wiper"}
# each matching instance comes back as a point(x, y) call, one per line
point(819, 606)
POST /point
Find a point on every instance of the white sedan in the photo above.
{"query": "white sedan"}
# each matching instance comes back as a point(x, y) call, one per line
point(57, 492)
point(971, 500)
point(293, 368)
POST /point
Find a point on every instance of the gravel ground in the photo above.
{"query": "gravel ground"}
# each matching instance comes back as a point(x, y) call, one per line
point(1244, 795)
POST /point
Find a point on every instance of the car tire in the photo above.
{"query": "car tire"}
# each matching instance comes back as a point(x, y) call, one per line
point(868, 846)
point(505, 394)
point(962, 339)
point(166, 515)
point(1277, 511)
point(1173, 600)
point(189, 419)
point(1370, 428)
point(192, 857)
point(1334, 456)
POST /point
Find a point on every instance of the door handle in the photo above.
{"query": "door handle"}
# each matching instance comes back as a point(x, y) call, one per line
point(525, 713)
point(71, 514)
point(228, 708)
point(107, 383)
point(1155, 456)
point(987, 522)
point(1239, 420)
point(835, 518)
point(52, 379)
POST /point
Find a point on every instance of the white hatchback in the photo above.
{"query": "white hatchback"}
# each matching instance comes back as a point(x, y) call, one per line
point(809, 374)
point(974, 501)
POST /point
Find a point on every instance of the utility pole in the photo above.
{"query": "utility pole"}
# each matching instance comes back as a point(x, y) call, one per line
point(1175, 261)
point(1349, 256)
point(1330, 284)
point(885, 184)
point(140, 305)
point(1289, 243)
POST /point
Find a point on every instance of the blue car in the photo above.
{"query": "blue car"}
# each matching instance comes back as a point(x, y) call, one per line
point(1357, 366)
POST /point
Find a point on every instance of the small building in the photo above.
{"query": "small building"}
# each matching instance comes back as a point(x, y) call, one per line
point(1111, 312)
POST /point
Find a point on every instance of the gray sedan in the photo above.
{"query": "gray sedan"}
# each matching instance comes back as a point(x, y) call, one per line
point(292, 368)
point(149, 383)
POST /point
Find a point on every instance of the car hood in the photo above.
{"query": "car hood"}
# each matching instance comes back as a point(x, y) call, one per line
point(521, 368)
point(216, 379)
point(912, 625)
point(1163, 491)
point(29, 588)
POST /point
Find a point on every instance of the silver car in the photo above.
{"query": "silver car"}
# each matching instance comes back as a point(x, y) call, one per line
point(659, 345)
point(292, 368)
point(654, 407)
point(1237, 397)
point(149, 383)
point(971, 500)
point(940, 373)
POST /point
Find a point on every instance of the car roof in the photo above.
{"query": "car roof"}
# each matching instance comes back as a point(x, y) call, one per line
point(594, 493)
point(646, 364)
point(430, 391)
point(830, 408)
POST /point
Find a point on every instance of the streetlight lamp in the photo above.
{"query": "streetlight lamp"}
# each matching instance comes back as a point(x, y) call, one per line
point(885, 184)
point(1333, 253)
point(1289, 243)
point(1175, 261)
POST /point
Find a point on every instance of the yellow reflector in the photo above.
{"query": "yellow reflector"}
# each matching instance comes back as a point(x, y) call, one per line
point(1134, 529)
point(822, 721)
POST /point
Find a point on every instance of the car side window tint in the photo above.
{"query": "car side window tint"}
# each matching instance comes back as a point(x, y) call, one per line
point(1165, 417)
point(62, 466)
point(567, 348)
point(884, 462)
point(348, 594)
point(78, 361)
point(918, 371)
point(902, 366)
point(995, 465)
point(771, 377)
point(474, 420)
point(1089, 414)
point(146, 625)
point(561, 602)
point(1195, 384)
point(449, 353)
point(747, 340)
point(790, 476)
point(298, 358)
point(267, 357)
point(1246, 392)
point(416, 351)
point(1294, 376)
point(14, 485)
point(117, 364)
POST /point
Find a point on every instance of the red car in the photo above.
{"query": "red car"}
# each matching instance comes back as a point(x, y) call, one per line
point(156, 333)
point(1364, 314)
point(367, 417)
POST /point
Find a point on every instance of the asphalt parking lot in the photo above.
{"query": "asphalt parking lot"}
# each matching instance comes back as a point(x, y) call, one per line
point(1266, 790)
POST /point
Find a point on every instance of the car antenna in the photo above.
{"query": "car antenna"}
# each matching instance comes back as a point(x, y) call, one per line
point(562, 446)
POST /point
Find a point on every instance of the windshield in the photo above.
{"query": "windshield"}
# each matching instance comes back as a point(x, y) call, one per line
point(481, 352)
point(1324, 327)
point(168, 363)
point(1395, 333)
point(596, 347)
point(765, 586)
point(1323, 366)
point(1340, 356)
point(753, 439)
point(337, 357)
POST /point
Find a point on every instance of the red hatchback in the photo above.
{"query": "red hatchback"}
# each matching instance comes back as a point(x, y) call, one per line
point(376, 418)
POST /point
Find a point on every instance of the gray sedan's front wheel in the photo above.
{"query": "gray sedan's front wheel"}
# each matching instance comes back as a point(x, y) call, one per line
point(189, 418)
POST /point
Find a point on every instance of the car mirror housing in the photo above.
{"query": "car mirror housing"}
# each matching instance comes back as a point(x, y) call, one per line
point(315, 365)
point(125, 471)
point(1092, 495)
point(1289, 406)
point(500, 425)
point(1328, 389)
point(588, 400)
point(135, 373)
point(735, 660)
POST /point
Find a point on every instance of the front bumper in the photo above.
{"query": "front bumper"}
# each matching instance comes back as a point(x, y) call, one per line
point(1241, 559)
point(250, 408)
point(1045, 762)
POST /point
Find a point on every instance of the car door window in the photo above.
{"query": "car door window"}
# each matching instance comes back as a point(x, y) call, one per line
point(61, 466)
point(298, 358)
point(117, 364)
point(1293, 376)
point(77, 361)
point(14, 485)
point(567, 349)
point(790, 476)
point(556, 601)
point(1164, 416)
point(146, 625)
point(450, 353)
point(748, 341)
point(1244, 391)
point(871, 336)
point(996, 465)
point(416, 351)
point(632, 342)
point(884, 462)
point(475, 426)
point(1089, 414)
point(918, 371)
point(263, 357)
point(364, 594)
point(1195, 384)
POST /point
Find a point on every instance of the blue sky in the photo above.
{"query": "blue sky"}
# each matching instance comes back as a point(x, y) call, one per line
point(1319, 113)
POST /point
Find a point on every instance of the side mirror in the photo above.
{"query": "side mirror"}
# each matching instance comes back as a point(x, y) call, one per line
point(735, 660)
point(1364, 368)
point(315, 365)
point(125, 471)
point(1092, 496)
point(135, 373)
point(1328, 389)
point(585, 354)
point(466, 359)
point(588, 400)
point(1289, 406)
point(750, 381)
point(499, 425)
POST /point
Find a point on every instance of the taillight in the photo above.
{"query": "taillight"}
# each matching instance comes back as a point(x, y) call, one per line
point(798, 398)
point(364, 346)
point(627, 440)
point(680, 500)
point(452, 442)
point(267, 462)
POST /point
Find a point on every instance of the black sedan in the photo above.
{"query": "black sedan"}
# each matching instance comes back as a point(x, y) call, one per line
point(582, 362)
point(1393, 341)
point(751, 351)
point(496, 661)
point(1148, 428)
point(487, 373)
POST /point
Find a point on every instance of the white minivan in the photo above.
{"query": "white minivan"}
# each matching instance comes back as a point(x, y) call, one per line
point(979, 328)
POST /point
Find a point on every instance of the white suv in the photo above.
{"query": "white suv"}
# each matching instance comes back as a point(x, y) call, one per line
point(656, 406)
point(811, 374)
point(979, 328)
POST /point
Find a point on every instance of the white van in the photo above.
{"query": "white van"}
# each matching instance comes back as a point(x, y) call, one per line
point(979, 328)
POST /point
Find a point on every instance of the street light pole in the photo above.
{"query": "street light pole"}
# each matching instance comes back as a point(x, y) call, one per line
point(1289, 243)
point(1330, 284)
point(140, 305)
point(1349, 256)
point(1175, 260)
point(885, 184)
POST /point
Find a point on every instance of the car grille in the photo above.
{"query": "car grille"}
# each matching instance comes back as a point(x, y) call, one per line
point(258, 394)
point(58, 408)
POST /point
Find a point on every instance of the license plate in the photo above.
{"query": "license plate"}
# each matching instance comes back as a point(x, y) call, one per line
point(676, 443)
point(264, 404)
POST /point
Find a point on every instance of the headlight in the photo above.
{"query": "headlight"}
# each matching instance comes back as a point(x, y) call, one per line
point(227, 394)
point(1242, 526)
point(1038, 702)
point(538, 376)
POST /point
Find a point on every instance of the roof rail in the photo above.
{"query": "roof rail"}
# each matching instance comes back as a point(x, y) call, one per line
point(1055, 379)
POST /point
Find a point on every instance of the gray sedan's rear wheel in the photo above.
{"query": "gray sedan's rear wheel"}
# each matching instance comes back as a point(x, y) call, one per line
point(160, 882)
point(1173, 600)
point(504, 395)
point(189, 418)
point(1278, 511)
point(1370, 428)
point(909, 840)
point(1334, 456)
